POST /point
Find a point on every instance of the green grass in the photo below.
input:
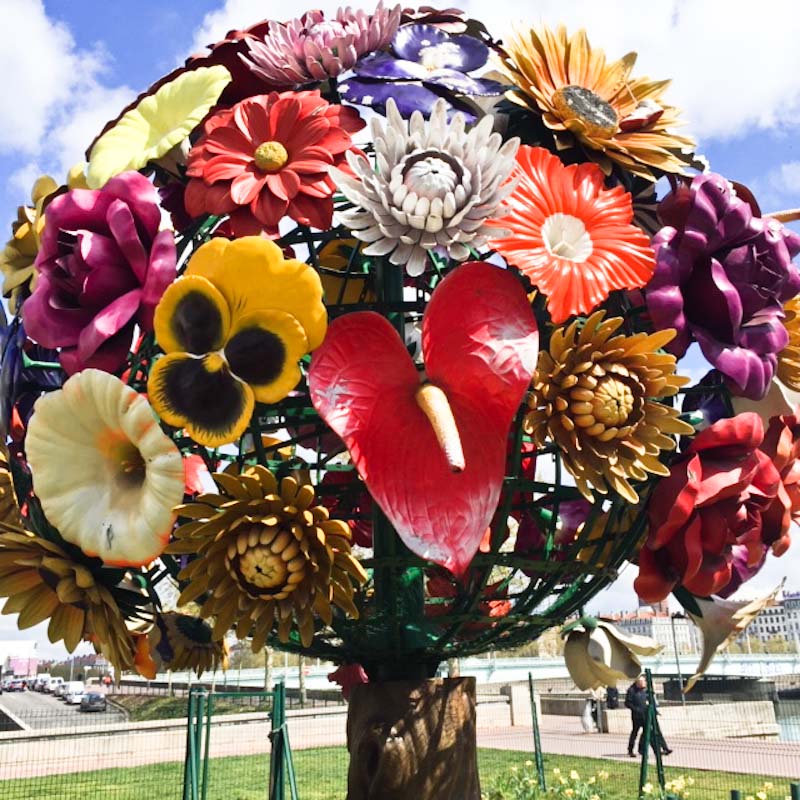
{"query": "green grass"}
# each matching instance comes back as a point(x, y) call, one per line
point(322, 775)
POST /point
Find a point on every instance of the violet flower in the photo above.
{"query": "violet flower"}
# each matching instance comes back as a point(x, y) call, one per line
point(103, 266)
point(425, 63)
point(722, 276)
point(741, 571)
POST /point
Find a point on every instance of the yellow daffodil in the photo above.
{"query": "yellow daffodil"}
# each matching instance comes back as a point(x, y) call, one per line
point(157, 123)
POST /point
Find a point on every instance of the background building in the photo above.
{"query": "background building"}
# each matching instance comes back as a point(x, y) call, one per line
point(658, 624)
point(19, 657)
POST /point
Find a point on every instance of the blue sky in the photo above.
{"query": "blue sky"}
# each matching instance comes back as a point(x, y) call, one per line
point(67, 66)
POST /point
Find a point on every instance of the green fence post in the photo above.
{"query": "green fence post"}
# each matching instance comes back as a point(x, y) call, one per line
point(277, 789)
point(795, 790)
point(736, 794)
point(188, 764)
point(209, 712)
point(198, 741)
point(537, 743)
point(655, 729)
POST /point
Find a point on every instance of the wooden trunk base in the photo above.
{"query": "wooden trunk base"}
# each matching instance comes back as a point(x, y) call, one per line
point(413, 740)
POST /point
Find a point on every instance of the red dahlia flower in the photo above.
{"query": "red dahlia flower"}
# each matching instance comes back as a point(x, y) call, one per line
point(267, 158)
point(732, 486)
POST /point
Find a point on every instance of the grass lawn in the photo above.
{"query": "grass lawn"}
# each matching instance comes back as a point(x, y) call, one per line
point(321, 775)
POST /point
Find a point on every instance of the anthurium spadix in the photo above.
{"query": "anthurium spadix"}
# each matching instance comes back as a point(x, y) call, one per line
point(432, 450)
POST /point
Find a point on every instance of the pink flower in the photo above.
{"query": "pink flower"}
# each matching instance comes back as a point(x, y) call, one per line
point(313, 48)
point(348, 676)
point(267, 158)
point(103, 266)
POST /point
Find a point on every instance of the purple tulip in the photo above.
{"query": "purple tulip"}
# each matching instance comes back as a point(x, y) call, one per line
point(426, 63)
point(103, 266)
point(722, 276)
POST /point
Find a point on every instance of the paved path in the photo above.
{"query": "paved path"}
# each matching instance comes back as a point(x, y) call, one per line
point(148, 743)
point(38, 710)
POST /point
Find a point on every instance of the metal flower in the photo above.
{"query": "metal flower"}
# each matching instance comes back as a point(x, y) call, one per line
point(184, 642)
point(9, 509)
point(313, 48)
point(581, 96)
point(594, 395)
point(266, 555)
point(722, 277)
point(42, 580)
point(425, 64)
point(599, 654)
point(436, 188)
point(789, 357)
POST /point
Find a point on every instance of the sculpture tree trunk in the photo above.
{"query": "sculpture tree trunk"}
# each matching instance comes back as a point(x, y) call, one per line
point(413, 740)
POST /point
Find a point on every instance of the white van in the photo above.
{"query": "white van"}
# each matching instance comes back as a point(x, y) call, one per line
point(53, 684)
point(42, 679)
point(73, 693)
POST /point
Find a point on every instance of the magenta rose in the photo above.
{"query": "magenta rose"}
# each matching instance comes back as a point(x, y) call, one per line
point(103, 266)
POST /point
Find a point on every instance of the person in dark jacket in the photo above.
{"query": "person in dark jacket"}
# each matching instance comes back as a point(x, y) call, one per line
point(636, 701)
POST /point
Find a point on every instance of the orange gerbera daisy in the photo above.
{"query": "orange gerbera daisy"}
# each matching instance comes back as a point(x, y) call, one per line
point(570, 235)
point(581, 95)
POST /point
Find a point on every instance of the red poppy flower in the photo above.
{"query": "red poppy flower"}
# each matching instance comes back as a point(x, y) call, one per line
point(433, 455)
point(267, 158)
point(725, 490)
point(494, 605)
point(570, 235)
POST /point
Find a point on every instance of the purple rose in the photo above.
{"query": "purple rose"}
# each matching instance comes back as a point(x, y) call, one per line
point(722, 277)
point(103, 266)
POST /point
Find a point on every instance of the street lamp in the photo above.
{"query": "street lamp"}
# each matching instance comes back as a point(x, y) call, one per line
point(672, 618)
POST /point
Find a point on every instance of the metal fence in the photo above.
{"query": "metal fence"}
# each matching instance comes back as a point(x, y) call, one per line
point(50, 750)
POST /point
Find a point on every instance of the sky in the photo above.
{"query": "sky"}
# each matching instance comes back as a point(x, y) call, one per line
point(68, 66)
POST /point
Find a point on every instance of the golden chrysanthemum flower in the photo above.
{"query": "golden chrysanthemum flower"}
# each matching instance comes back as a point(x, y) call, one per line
point(42, 580)
point(9, 510)
point(184, 642)
point(266, 556)
point(789, 357)
point(581, 95)
point(595, 395)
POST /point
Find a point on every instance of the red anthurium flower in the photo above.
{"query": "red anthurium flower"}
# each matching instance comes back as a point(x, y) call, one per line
point(348, 676)
point(731, 488)
point(495, 605)
point(433, 454)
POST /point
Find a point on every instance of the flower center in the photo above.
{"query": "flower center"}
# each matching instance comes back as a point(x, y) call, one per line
point(270, 156)
point(566, 236)
point(613, 402)
point(439, 56)
point(597, 115)
point(262, 568)
point(431, 175)
point(214, 362)
point(327, 29)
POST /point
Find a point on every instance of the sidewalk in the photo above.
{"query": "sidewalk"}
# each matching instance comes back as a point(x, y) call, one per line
point(564, 736)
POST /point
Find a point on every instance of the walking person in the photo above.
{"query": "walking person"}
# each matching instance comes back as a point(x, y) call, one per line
point(636, 701)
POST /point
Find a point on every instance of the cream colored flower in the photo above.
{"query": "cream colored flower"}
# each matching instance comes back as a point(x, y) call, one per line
point(158, 123)
point(435, 187)
point(106, 475)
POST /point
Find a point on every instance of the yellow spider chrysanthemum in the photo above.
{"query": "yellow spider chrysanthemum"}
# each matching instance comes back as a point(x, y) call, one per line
point(583, 97)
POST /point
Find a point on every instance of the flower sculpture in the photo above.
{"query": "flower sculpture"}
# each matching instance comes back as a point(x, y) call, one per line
point(591, 397)
point(598, 653)
point(366, 387)
point(725, 490)
point(570, 235)
point(580, 94)
point(267, 556)
point(267, 158)
point(789, 358)
point(9, 509)
point(42, 580)
point(313, 48)
point(722, 276)
point(183, 642)
point(103, 266)
point(425, 64)
point(158, 123)
point(19, 255)
point(436, 188)
point(233, 328)
point(115, 501)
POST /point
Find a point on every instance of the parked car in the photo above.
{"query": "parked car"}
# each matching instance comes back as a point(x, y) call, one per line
point(16, 685)
point(53, 684)
point(93, 701)
point(58, 690)
point(73, 692)
point(41, 682)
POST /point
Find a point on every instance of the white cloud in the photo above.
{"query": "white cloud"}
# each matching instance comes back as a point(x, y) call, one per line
point(779, 188)
point(734, 66)
point(52, 93)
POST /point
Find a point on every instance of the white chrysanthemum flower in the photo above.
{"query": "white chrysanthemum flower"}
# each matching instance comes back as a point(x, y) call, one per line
point(436, 186)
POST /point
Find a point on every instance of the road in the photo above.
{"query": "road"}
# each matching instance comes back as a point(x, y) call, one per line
point(37, 710)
